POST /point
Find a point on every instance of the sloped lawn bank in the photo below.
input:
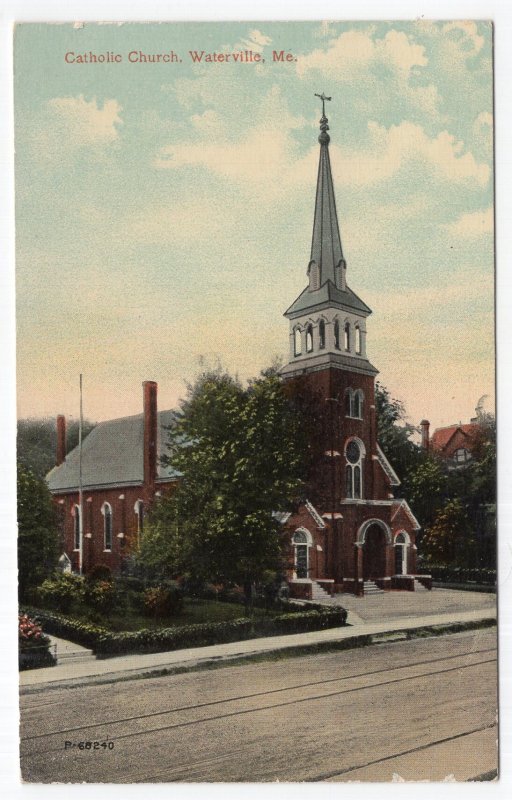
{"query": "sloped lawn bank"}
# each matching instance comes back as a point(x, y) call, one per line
point(107, 643)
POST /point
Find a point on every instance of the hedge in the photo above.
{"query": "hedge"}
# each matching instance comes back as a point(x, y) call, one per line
point(449, 574)
point(106, 643)
point(67, 627)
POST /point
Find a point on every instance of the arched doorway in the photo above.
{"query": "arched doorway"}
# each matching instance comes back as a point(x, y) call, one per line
point(374, 553)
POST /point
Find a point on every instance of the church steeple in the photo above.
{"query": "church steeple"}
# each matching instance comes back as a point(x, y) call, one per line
point(328, 320)
point(327, 262)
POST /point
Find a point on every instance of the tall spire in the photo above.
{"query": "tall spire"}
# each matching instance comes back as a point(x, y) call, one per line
point(326, 252)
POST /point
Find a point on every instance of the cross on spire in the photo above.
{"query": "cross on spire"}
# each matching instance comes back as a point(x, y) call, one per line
point(323, 98)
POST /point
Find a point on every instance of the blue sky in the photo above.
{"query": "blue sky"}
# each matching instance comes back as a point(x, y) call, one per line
point(164, 211)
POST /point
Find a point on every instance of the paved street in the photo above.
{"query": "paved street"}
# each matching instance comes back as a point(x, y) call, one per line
point(421, 709)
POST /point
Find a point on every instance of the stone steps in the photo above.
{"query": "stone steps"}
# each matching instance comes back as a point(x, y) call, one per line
point(418, 587)
point(370, 587)
point(318, 593)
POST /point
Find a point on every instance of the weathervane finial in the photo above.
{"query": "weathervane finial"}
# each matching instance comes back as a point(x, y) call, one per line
point(324, 137)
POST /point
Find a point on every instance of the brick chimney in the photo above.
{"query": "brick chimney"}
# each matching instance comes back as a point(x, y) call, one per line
point(61, 440)
point(150, 389)
point(425, 439)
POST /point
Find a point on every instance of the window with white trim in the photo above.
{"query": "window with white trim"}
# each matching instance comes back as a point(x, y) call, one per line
point(297, 341)
point(76, 527)
point(337, 334)
point(354, 470)
point(309, 339)
point(321, 334)
point(107, 526)
point(461, 456)
point(358, 340)
point(346, 332)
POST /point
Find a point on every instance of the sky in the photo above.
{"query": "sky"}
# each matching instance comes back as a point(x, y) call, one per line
point(164, 211)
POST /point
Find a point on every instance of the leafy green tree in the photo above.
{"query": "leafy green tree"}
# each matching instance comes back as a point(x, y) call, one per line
point(427, 489)
point(450, 540)
point(242, 453)
point(394, 435)
point(37, 442)
point(37, 531)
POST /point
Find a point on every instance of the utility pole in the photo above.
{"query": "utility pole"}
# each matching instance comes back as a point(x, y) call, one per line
point(80, 488)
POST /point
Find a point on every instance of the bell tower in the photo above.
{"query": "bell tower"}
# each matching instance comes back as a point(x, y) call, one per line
point(328, 320)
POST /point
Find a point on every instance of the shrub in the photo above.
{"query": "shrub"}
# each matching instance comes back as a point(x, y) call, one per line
point(443, 573)
point(61, 591)
point(162, 601)
point(33, 644)
point(100, 572)
point(73, 629)
point(106, 643)
point(100, 595)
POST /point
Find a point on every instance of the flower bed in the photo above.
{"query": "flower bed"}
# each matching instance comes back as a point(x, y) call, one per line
point(33, 645)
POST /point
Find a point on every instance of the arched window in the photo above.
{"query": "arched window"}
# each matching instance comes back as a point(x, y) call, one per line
point(139, 511)
point(401, 541)
point(354, 470)
point(321, 334)
point(76, 527)
point(309, 339)
point(358, 340)
point(297, 342)
point(357, 404)
point(336, 334)
point(107, 525)
point(347, 336)
point(348, 402)
point(301, 548)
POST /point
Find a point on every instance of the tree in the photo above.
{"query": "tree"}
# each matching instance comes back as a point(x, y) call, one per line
point(394, 432)
point(427, 489)
point(450, 540)
point(37, 530)
point(37, 442)
point(242, 453)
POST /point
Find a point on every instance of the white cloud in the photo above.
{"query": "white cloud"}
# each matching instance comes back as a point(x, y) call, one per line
point(255, 41)
point(354, 50)
point(82, 122)
point(472, 225)
point(392, 148)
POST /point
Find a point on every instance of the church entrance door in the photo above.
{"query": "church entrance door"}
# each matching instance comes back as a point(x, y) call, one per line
point(374, 553)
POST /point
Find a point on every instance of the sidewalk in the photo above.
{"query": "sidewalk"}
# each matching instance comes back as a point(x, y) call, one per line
point(103, 670)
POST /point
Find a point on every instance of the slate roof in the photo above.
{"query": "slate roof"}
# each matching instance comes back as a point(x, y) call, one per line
point(113, 455)
point(327, 295)
point(326, 248)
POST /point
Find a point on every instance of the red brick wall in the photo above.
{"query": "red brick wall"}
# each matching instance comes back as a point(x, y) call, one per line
point(124, 520)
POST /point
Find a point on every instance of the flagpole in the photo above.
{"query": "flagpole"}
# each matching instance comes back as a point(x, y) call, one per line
point(80, 489)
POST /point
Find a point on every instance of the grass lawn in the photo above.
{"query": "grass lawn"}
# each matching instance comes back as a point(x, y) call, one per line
point(193, 612)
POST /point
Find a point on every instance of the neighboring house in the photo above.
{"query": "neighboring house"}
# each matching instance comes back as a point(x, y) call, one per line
point(121, 476)
point(352, 530)
point(454, 443)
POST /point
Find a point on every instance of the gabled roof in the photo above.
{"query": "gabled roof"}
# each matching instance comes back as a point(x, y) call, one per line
point(442, 436)
point(326, 296)
point(388, 469)
point(403, 505)
point(113, 455)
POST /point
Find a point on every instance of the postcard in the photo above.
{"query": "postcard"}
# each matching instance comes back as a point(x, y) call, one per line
point(255, 382)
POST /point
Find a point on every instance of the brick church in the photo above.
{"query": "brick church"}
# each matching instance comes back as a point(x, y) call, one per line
point(351, 534)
